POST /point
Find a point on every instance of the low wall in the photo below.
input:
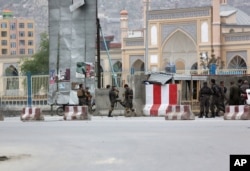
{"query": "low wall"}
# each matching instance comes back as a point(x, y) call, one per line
point(102, 97)
point(103, 103)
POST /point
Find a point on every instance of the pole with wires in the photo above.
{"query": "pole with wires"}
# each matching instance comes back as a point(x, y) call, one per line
point(114, 76)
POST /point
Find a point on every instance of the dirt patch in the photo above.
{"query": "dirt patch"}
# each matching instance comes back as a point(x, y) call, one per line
point(17, 157)
point(3, 158)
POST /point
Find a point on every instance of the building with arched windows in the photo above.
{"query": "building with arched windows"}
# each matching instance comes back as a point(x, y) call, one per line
point(17, 41)
point(188, 38)
point(180, 36)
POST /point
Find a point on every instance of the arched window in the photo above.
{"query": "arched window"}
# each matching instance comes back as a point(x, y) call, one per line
point(12, 80)
point(179, 47)
point(117, 67)
point(237, 63)
point(180, 65)
point(194, 66)
point(204, 32)
point(153, 35)
point(11, 71)
point(138, 65)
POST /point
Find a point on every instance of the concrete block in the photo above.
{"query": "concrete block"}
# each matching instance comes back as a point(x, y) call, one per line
point(179, 112)
point(76, 113)
point(237, 112)
point(31, 114)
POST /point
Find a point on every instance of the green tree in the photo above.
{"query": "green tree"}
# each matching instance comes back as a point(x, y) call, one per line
point(205, 63)
point(38, 64)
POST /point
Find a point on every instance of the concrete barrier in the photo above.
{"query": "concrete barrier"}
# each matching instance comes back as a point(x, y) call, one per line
point(179, 112)
point(31, 113)
point(103, 103)
point(1, 117)
point(76, 113)
point(237, 112)
point(158, 98)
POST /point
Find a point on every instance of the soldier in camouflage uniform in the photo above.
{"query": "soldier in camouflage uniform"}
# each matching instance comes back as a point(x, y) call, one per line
point(234, 94)
point(128, 101)
point(204, 97)
point(215, 101)
point(222, 98)
point(113, 98)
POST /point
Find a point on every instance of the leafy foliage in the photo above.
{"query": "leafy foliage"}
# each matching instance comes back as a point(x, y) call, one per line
point(212, 60)
point(39, 62)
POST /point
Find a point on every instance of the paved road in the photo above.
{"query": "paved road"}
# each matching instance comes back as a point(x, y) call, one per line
point(121, 144)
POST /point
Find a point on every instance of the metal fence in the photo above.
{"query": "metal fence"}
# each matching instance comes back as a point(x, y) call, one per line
point(14, 91)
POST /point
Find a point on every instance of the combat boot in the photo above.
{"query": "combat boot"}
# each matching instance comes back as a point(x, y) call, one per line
point(213, 115)
point(127, 110)
point(133, 112)
point(109, 115)
point(217, 114)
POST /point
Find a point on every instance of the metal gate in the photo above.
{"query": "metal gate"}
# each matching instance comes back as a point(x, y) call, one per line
point(14, 91)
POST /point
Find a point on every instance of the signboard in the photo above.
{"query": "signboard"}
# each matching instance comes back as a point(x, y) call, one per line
point(76, 4)
point(72, 34)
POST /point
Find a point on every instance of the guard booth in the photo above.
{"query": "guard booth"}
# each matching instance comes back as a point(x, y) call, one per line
point(160, 93)
point(165, 93)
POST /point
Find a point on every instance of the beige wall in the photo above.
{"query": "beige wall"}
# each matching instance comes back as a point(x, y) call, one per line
point(213, 42)
point(229, 20)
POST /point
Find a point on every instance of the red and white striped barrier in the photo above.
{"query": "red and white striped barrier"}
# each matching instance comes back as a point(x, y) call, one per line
point(158, 97)
point(76, 113)
point(179, 112)
point(237, 112)
point(31, 113)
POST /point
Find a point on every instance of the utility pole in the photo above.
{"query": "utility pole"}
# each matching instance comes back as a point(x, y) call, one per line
point(98, 48)
point(146, 39)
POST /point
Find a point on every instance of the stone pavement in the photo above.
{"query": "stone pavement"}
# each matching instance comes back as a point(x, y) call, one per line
point(121, 144)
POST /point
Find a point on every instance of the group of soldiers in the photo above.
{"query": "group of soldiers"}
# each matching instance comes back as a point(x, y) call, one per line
point(127, 103)
point(214, 98)
point(85, 98)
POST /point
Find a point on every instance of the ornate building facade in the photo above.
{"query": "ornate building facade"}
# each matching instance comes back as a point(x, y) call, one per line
point(180, 36)
point(188, 38)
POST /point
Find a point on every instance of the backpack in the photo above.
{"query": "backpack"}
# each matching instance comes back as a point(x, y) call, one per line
point(80, 93)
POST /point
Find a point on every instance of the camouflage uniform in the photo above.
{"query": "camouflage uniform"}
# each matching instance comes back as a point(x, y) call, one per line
point(222, 98)
point(234, 95)
point(204, 97)
point(128, 101)
point(215, 101)
point(113, 95)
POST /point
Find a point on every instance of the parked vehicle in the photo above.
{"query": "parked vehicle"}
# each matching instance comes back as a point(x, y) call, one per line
point(60, 110)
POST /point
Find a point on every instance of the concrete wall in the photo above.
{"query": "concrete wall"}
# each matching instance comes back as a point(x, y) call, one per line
point(103, 103)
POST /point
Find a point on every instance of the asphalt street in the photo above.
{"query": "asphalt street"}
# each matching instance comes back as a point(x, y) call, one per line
point(121, 144)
